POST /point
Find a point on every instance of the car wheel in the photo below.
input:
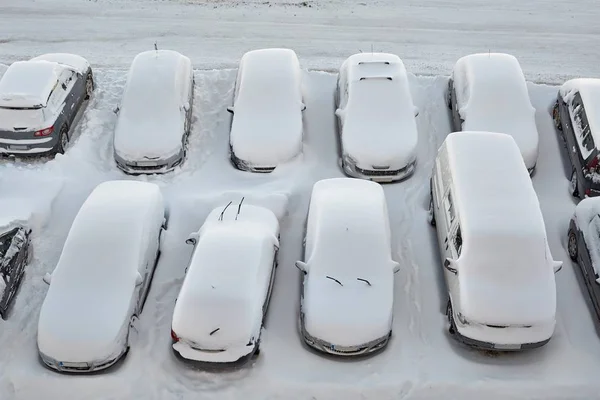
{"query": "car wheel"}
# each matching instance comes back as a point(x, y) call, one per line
point(572, 245)
point(573, 186)
point(556, 117)
point(89, 86)
point(63, 140)
point(450, 314)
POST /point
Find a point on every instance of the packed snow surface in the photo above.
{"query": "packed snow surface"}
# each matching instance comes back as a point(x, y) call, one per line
point(226, 284)
point(28, 84)
point(348, 240)
point(379, 127)
point(499, 210)
point(78, 63)
point(152, 115)
point(91, 296)
point(421, 361)
point(492, 96)
point(267, 126)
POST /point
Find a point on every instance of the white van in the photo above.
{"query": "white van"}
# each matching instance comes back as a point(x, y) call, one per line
point(492, 238)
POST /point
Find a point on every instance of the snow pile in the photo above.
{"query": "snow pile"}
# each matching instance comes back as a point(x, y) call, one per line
point(151, 114)
point(492, 96)
point(349, 287)
point(379, 127)
point(28, 84)
point(267, 126)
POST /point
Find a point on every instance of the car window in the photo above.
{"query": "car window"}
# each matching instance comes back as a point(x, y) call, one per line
point(449, 206)
point(56, 98)
point(457, 241)
point(581, 126)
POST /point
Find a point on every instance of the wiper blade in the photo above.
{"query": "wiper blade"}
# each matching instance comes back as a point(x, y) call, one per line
point(364, 280)
point(215, 331)
point(333, 279)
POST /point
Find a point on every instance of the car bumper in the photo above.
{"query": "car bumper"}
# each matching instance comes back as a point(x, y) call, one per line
point(80, 367)
point(28, 146)
point(159, 166)
point(323, 346)
point(378, 175)
point(207, 360)
point(245, 166)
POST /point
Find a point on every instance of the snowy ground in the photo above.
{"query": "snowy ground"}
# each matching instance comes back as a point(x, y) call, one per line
point(553, 40)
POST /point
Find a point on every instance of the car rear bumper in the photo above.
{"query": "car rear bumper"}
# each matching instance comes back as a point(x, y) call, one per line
point(28, 146)
point(245, 166)
point(378, 175)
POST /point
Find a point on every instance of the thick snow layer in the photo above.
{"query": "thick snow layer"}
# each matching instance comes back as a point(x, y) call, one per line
point(267, 126)
point(152, 115)
point(74, 61)
point(499, 210)
point(226, 283)
point(347, 239)
point(87, 310)
point(492, 96)
point(379, 127)
point(28, 84)
point(589, 90)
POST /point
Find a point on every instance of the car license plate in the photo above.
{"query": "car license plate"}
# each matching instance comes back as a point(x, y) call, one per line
point(17, 147)
point(146, 163)
point(507, 346)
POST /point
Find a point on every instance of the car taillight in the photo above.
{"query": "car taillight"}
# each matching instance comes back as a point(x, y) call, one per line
point(44, 132)
point(174, 336)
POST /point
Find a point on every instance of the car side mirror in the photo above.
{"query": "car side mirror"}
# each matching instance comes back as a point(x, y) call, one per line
point(230, 110)
point(449, 265)
point(192, 239)
point(138, 279)
point(116, 110)
point(557, 266)
point(416, 111)
point(302, 266)
point(598, 281)
point(47, 278)
point(396, 266)
point(64, 86)
point(339, 113)
point(186, 107)
point(303, 107)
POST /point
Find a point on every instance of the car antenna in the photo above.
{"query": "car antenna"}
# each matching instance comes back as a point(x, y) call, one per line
point(155, 46)
point(223, 212)
point(239, 208)
point(215, 331)
point(333, 279)
point(364, 280)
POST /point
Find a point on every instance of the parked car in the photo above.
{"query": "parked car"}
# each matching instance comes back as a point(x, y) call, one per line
point(39, 100)
point(376, 118)
point(155, 114)
point(574, 115)
point(347, 300)
point(102, 278)
point(266, 127)
point(584, 246)
point(498, 267)
point(15, 254)
point(488, 93)
point(223, 301)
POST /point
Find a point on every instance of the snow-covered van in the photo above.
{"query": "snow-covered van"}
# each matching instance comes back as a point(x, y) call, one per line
point(492, 239)
point(347, 299)
point(575, 113)
point(102, 277)
point(376, 118)
point(155, 114)
point(488, 92)
point(267, 126)
point(223, 302)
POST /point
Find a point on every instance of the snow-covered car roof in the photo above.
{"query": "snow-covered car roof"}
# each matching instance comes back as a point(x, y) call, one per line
point(267, 122)
point(28, 84)
point(348, 298)
point(589, 90)
point(222, 288)
point(78, 63)
point(492, 96)
point(379, 118)
point(504, 243)
point(151, 116)
point(88, 303)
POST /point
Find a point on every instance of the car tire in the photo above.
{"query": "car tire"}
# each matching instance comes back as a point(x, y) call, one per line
point(573, 185)
point(89, 86)
point(572, 245)
point(450, 314)
point(556, 116)
point(63, 140)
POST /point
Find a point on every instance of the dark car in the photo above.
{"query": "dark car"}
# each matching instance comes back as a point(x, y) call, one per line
point(577, 121)
point(15, 253)
point(39, 100)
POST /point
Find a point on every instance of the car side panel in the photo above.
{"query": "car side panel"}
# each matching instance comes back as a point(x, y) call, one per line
point(456, 121)
point(570, 141)
point(587, 270)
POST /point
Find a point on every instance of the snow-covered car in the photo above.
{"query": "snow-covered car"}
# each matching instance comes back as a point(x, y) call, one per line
point(487, 92)
point(346, 306)
point(267, 126)
point(102, 278)
point(15, 253)
point(155, 114)
point(376, 118)
point(39, 100)
point(493, 245)
point(583, 245)
point(575, 113)
point(223, 301)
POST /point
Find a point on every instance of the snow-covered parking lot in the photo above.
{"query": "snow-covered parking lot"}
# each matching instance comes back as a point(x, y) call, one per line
point(553, 41)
